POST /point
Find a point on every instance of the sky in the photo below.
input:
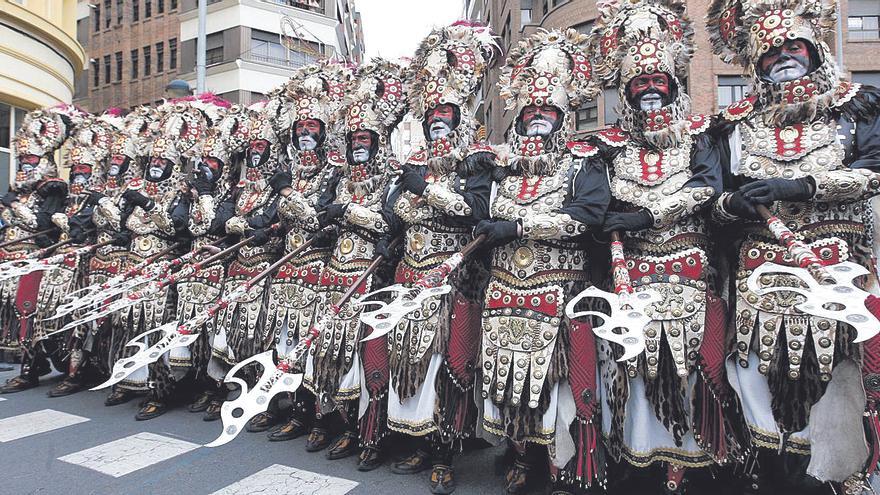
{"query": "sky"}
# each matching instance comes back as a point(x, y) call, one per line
point(393, 28)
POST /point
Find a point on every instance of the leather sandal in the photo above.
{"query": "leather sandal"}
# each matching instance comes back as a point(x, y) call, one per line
point(369, 459)
point(293, 428)
point(201, 403)
point(19, 384)
point(319, 439)
point(442, 479)
point(65, 388)
point(344, 446)
point(152, 409)
point(212, 413)
point(416, 462)
point(517, 477)
point(261, 422)
point(118, 396)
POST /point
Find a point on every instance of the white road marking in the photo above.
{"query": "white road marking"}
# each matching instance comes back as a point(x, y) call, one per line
point(280, 480)
point(33, 423)
point(126, 455)
point(2, 399)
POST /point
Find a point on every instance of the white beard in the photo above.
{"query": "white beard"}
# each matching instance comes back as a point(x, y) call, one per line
point(787, 71)
point(255, 161)
point(360, 155)
point(438, 130)
point(80, 179)
point(650, 101)
point(539, 128)
point(27, 168)
point(156, 172)
point(307, 143)
point(113, 171)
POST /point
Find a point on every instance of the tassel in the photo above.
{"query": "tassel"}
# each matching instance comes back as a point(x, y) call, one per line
point(373, 425)
point(871, 379)
point(587, 467)
point(457, 410)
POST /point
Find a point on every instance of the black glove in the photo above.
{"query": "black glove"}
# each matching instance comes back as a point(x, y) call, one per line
point(43, 241)
point(122, 239)
point(412, 182)
point(738, 205)
point(77, 235)
point(332, 213)
point(9, 198)
point(382, 248)
point(498, 232)
point(280, 180)
point(52, 188)
point(137, 199)
point(201, 184)
point(323, 238)
point(94, 198)
point(628, 222)
point(766, 191)
point(258, 237)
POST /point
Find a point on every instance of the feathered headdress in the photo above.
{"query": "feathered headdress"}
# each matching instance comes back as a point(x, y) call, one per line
point(89, 145)
point(377, 100)
point(316, 91)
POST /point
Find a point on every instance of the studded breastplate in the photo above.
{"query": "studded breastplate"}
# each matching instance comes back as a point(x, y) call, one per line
point(17, 230)
point(526, 294)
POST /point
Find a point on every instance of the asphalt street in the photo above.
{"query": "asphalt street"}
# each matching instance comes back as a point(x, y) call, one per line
point(93, 449)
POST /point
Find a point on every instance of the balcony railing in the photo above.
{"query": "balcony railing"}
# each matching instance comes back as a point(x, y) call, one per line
point(293, 60)
point(311, 5)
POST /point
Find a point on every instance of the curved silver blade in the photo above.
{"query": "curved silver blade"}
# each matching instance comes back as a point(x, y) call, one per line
point(236, 413)
point(627, 315)
point(841, 301)
point(171, 338)
point(406, 300)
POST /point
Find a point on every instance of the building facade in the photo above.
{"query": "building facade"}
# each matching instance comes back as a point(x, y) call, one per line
point(40, 59)
point(133, 49)
point(248, 51)
point(712, 84)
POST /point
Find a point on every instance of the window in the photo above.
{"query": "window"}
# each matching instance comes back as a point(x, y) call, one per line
point(863, 22)
point(148, 8)
point(610, 100)
point(525, 10)
point(136, 10)
point(868, 78)
point(584, 27)
point(160, 6)
point(172, 5)
point(545, 7)
point(265, 47)
point(107, 16)
point(11, 119)
point(106, 69)
point(147, 61)
point(96, 74)
point(97, 11)
point(172, 53)
point(160, 56)
point(134, 64)
point(505, 32)
point(586, 117)
point(118, 57)
point(119, 11)
point(730, 89)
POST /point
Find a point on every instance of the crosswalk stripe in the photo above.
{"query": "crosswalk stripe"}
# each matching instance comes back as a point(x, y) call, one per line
point(129, 454)
point(279, 479)
point(2, 399)
point(33, 423)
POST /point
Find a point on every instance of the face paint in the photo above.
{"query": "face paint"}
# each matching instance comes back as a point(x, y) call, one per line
point(210, 168)
point(539, 121)
point(789, 62)
point(308, 134)
point(157, 168)
point(361, 142)
point(440, 121)
point(258, 153)
point(649, 91)
point(28, 163)
point(118, 164)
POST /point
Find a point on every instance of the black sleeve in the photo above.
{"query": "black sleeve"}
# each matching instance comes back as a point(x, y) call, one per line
point(225, 210)
point(266, 217)
point(180, 214)
point(396, 225)
point(706, 166)
point(81, 223)
point(49, 206)
point(477, 189)
point(590, 194)
point(328, 195)
point(866, 153)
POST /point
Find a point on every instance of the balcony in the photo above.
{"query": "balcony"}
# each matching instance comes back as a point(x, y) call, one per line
point(267, 52)
point(316, 6)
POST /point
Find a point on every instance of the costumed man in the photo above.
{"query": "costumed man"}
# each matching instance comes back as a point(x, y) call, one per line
point(87, 151)
point(240, 326)
point(668, 404)
point(156, 211)
point(537, 369)
point(805, 144)
point(212, 186)
point(314, 94)
point(442, 194)
point(348, 377)
point(37, 193)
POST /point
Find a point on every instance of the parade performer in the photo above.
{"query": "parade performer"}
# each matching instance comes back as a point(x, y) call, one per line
point(536, 367)
point(340, 369)
point(212, 188)
point(442, 194)
point(314, 95)
point(37, 193)
point(241, 331)
point(155, 209)
point(668, 404)
point(88, 148)
point(805, 145)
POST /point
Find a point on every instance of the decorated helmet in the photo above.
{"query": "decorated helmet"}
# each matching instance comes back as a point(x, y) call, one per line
point(269, 124)
point(224, 141)
point(41, 134)
point(448, 69)
point(634, 38)
point(87, 151)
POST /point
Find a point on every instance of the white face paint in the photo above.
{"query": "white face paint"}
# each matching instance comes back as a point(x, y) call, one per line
point(113, 171)
point(787, 70)
point(439, 129)
point(27, 168)
point(539, 127)
point(650, 101)
point(255, 160)
point(156, 172)
point(80, 179)
point(360, 155)
point(307, 143)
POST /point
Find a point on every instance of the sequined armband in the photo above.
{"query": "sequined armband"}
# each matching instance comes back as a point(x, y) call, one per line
point(61, 221)
point(720, 215)
point(846, 185)
point(686, 201)
point(447, 201)
point(296, 209)
point(236, 225)
point(25, 215)
point(551, 226)
point(365, 218)
point(203, 216)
